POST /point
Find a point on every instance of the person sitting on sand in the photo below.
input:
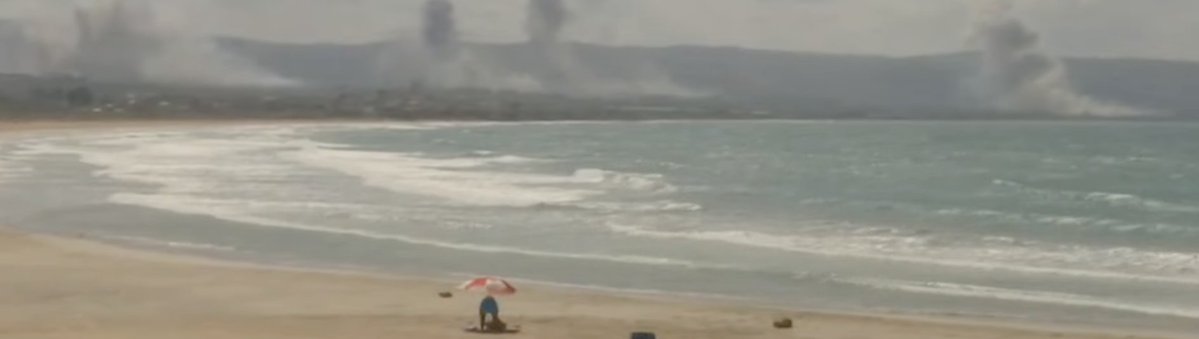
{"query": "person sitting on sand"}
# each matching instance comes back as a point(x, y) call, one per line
point(488, 306)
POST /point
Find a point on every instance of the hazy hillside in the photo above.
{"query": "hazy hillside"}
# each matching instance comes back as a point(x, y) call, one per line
point(776, 79)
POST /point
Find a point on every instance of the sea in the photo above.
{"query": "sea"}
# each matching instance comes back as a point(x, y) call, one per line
point(1093, 224)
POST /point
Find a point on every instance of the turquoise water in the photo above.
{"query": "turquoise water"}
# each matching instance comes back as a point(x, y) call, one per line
point(1084, 223)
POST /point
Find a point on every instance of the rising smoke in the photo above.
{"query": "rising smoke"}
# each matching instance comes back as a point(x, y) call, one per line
point(124, 41)
point(545, 20)
point(440, 30)
point(448, 63)
point(19, 54)
point(1018, 76)
point(562, 69)
point(113, 41)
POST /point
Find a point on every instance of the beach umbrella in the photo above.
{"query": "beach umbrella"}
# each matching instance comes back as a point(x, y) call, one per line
point(491, 285)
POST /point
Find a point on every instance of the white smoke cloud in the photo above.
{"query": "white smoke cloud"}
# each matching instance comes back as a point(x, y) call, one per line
point(1017, 75)
point(447, 61)
point(440, 30)
point(19, 54)
point(891, 27)
point(444, 60)
point(127, 41)
point(545, 21)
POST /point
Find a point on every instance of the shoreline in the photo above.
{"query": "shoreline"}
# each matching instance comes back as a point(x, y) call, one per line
point(619, 311)
point(18, 128)
point(69, 272)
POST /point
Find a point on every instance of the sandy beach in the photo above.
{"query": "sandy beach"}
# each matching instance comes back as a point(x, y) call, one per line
point(54, 287)
point(71, 288)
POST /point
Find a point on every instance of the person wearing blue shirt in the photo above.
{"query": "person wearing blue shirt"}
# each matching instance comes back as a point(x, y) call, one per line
point(488, 306)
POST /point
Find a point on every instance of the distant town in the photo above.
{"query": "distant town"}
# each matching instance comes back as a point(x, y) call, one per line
point(29, 97)
point(24, 97)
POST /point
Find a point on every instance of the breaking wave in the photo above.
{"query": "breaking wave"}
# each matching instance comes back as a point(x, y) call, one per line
point(225, 212)
point(1041, 297)
point(1118, 200)
point(988, 253)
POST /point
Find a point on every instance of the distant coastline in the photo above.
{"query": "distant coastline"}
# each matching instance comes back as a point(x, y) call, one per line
point(729, 83)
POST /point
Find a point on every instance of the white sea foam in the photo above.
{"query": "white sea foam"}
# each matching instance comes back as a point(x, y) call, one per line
point(236, 176)
point(987, 292)
point(1070, 221)
point(458, 180)
point(1023, 256)
point(13, 166)
point(232, 213)
point(180, 164)
point(468, 181)
point(609, 206)
point(974, 215)
point(650, 182)
point(189, 162)
point(1118, 200)
point(173, 244)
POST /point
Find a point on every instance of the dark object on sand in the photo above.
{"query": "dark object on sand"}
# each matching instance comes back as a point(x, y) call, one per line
point(782, 323)
point(495, 328)
point(643, 335)
point(476, 330)
point(445, 295)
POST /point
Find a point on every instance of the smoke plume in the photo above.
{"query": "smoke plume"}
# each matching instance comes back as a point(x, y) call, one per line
point(545, 20)
point(563, 71)
point(1018, 76)
point(444, 61)
point(124, 41)
point(440, 30)
point(19, 54)
point(113, 41)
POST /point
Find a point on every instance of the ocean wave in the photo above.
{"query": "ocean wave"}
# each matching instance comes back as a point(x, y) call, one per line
point(996, 293)
point(438, 221)
point(1109, 199)
point(978, 215)
point(466, 180)
point(172, 244)
point(1070, 221)
point(457, 180)
point(10, 169)
point(182, 165)
point(225, 212)
point(650, 206)
point(617, 290)
point(196, 162)
point(490, 157)
point(994, 253)
point(649, 182)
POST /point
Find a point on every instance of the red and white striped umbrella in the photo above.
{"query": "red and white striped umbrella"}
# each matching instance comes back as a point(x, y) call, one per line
point(491, 285)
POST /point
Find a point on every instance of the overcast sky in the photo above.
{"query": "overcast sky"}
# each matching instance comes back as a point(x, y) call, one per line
point(1163, 29)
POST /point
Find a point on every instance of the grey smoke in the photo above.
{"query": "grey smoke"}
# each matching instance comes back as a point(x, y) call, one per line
point(440, 30)
point(447, 63)
point(563, 71)
point(112, 42)
point(18, 53)
point(1018, 76)
point(545, 20)
point(124, 41)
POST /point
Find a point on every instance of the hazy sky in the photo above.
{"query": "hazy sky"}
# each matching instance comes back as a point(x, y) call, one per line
point(1132, 28)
